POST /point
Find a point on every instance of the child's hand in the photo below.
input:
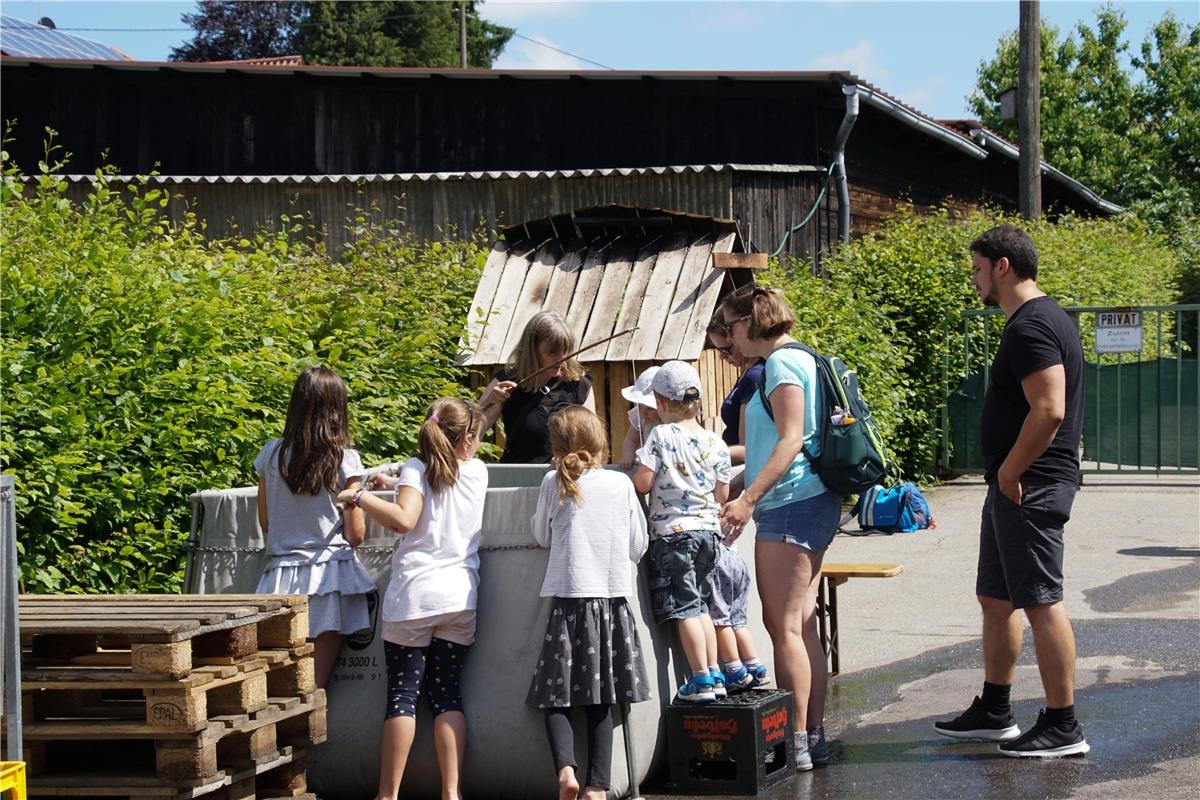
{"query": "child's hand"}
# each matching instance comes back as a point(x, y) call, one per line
point(381, 481)
point(345, 496)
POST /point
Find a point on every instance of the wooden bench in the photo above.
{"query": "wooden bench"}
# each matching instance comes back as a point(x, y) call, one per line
point(833, 576)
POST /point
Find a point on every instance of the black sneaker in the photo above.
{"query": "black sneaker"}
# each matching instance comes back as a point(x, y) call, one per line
point(979, 723)
point(1047, 740)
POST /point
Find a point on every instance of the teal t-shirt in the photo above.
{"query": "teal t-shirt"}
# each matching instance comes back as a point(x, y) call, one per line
point(799, 482)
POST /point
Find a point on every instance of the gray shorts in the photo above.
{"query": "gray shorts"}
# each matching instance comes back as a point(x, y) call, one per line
point(730, 589)
point(681, 564)
point(1021, 546)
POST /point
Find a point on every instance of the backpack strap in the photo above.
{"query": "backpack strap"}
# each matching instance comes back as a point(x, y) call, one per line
point(762, 387)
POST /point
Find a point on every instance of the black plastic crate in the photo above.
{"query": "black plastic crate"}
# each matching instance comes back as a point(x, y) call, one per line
point(740, 745)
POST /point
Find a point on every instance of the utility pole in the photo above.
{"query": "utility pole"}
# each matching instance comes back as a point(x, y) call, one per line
point(1029, 119)
point(462, 34)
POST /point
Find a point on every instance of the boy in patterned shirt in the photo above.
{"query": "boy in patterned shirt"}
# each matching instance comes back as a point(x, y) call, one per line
point(685, 469)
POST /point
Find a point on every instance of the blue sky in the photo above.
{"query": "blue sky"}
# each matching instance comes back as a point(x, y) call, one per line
point(925, 53)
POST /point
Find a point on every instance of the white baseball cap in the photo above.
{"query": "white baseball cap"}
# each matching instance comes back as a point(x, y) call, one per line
point(677, 380)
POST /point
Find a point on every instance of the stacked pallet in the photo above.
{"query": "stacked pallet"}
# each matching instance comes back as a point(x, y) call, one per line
point(170, 696)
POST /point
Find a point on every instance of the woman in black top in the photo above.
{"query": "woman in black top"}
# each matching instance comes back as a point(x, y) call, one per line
point(733, 407)
point(526, 392)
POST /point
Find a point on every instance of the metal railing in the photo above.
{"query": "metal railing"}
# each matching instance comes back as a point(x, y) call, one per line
point(1141, 408)
point(10, 648)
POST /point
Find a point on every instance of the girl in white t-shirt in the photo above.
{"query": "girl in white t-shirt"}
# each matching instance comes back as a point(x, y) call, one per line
point(429, 608)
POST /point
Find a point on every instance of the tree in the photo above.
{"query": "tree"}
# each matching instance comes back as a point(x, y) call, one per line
point(363, 34)
point(396, 34)
point(1132, 133)
point(234, 31)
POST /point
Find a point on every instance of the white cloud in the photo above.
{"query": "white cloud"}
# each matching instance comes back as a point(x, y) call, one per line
point(861, 59)
point(507, 13)
point(524, 54)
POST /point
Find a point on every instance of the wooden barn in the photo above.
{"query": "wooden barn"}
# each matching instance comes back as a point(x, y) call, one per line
point(449, 150)
point(608, 270)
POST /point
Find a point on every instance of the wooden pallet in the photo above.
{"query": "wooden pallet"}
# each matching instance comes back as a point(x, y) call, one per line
point(165, 635)
point(277, 774)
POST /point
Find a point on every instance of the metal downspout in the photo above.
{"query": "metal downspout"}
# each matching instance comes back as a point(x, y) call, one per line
point(839, 162)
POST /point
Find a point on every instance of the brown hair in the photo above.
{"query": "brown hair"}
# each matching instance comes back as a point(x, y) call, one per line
point(579, 443)
point(549, 328)
point(316, 432)
point(690, 407)
point(770, 315)
point(1009, 241)
point(717, 325)
point(447, 422)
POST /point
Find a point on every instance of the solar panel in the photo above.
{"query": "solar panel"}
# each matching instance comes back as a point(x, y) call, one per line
point(21, 38)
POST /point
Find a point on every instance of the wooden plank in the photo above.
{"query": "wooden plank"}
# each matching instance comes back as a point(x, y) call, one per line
point(32, 616)
point(481, 304)
point(599, 372)
point(516, 266)
point(635, 291)
point(533, 294)
point(618, 420)
point(708, 295)
point(861, 570)
point(617, 267)
point(565, 276)
point(727, 260)
point(261, 600)
point(656, 304)
point(109, 626)
point(683, 300)
point(708, 390)
point(586, 287)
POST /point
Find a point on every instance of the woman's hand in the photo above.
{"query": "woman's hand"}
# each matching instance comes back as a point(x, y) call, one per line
point(497, 393)
point(381, 481)
point(734, 516)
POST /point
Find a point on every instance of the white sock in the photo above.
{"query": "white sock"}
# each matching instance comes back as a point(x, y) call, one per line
point(801, 740)
point(731, 667)
point(751, 663)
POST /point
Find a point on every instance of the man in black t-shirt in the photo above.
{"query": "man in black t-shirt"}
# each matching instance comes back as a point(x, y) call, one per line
point(1031, 420)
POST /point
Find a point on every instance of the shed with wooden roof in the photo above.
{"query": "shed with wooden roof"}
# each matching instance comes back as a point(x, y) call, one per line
point(640, 283)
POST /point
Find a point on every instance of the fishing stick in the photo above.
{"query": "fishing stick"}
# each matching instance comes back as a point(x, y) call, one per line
point(568, 356)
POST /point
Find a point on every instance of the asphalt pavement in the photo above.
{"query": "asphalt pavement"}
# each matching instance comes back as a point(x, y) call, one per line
point(910, 655)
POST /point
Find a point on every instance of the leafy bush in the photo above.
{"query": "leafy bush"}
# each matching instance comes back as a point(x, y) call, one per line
point(893, 304)
point(142, 362)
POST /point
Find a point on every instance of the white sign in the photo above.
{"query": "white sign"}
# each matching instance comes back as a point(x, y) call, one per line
point(1118, 332)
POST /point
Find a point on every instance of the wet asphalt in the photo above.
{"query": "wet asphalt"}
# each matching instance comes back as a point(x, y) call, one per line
point(1137, 678)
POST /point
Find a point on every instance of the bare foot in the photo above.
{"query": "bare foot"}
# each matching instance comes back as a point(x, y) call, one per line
point(568, 786)
point(595, 793)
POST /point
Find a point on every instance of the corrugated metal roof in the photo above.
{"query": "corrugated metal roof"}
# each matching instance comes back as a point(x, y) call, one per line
point(274, 61)
point(452, 176)
point(19, 37)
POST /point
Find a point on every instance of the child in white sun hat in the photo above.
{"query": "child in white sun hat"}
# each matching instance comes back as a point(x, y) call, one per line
point(642, 417)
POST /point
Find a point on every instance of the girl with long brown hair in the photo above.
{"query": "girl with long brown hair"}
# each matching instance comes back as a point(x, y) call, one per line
point(591, 520)
point(310, 539)
point(429, 608)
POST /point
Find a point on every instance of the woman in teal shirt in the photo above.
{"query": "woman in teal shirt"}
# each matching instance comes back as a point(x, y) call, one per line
point(795, 516)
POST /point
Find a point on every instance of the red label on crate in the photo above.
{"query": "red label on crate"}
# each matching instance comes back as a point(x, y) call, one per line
point(710, 728)
point(774, 724)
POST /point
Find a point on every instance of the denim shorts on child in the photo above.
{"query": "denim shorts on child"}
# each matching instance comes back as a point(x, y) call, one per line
point(730, 589)
point(681, 563)
point(810, 523)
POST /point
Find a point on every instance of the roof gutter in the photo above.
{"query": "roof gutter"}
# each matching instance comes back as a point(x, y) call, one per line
point(839, 161)
point(985, 139)
point(915, 120)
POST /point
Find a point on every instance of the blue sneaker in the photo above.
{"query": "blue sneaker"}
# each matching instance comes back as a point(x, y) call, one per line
point(760, 676)
point(739, 680)
point(698, 689)
point(719, 690)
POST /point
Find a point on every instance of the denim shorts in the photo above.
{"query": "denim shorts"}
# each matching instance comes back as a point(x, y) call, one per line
point(681, 564)
point(730, 589)
point(810, 523)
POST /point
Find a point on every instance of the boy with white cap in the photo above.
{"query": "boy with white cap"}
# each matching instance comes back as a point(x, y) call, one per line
point(642, 417)
point(686, 470)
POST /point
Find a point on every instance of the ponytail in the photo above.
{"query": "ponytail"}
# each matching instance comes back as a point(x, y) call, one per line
point(578, 441)
point(446, 424)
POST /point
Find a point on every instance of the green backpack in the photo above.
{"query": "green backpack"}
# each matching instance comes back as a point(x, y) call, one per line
point(852, 457)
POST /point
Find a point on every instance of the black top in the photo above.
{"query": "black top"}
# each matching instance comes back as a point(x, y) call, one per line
point(1037, 336)
point(526, 416)
point(739, 395)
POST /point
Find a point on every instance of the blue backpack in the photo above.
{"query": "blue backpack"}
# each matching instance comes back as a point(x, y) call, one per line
point(900, 509)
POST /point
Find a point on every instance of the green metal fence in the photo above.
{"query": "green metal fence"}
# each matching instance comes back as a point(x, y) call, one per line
point(1141, 409)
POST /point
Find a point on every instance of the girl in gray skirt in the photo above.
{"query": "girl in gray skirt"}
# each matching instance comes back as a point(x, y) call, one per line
point(591, 656)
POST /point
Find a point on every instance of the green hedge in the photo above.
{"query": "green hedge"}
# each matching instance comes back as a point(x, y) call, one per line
point(892, 305)
point(142, 362)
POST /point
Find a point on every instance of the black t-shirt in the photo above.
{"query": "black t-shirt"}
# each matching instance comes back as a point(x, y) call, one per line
point(739, 395)
point(526, 416)
point(1037, 336)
